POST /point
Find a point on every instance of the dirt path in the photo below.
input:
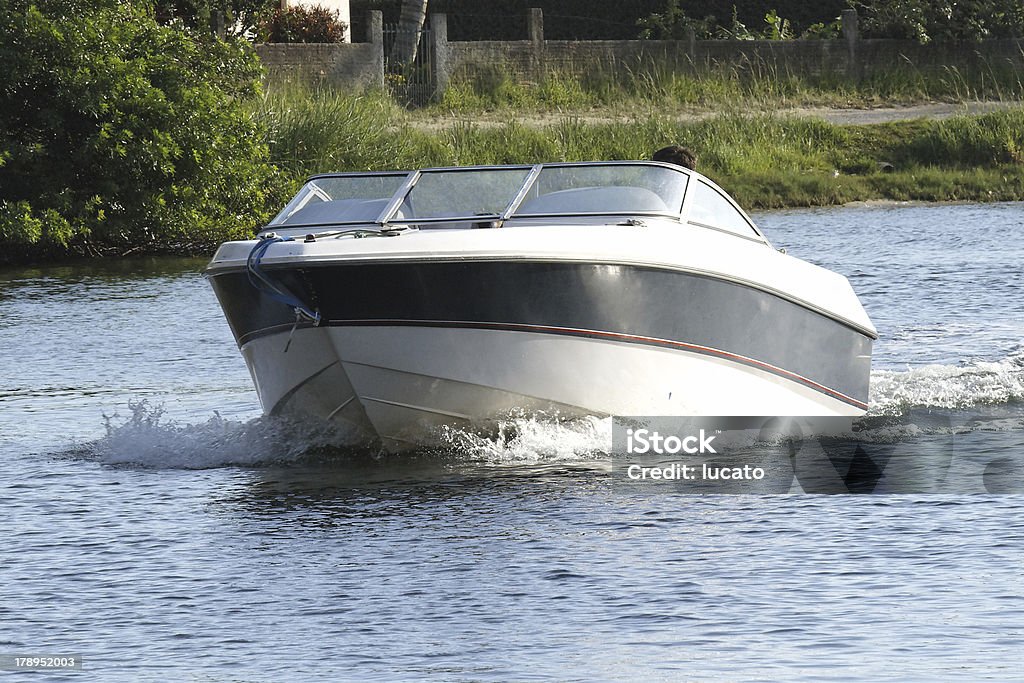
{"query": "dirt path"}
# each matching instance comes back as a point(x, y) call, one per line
point(837, 116)
point(887, 114)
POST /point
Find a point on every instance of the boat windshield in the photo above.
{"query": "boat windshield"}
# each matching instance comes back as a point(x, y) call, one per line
point(443, 197)
point(565, 189)
point(463, 193)
point(345, 198)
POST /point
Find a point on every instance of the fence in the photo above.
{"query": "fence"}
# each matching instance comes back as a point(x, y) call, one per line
point(361, 65)
point(414, 83)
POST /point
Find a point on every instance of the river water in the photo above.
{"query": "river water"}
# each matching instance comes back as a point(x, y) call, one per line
point(157, 529)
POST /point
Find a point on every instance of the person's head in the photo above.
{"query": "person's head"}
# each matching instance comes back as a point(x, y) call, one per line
point(674, 154)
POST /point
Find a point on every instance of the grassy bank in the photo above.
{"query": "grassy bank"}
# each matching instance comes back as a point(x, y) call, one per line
point(752, 84)
point(766, 161)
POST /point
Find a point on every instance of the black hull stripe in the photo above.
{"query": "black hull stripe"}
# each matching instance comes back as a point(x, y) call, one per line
point(218, 270)
point(588, 334)
point(633, 304)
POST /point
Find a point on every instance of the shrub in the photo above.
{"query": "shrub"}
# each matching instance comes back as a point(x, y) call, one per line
point(304, 25)
point(235, 17)
point(117, 133)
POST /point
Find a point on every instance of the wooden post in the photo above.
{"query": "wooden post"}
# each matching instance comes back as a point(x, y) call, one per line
point(439, 43)
point(535, 29)
point(375, 35)
point(849, 24)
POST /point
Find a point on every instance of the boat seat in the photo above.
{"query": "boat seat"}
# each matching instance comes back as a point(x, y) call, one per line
point(623, 199)
point(339, 211)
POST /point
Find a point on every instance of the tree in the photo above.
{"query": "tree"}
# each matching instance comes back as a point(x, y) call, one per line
point(117, 133)
point(410, 23)
point(233, 17)
point(672, 23)
point(944, 21)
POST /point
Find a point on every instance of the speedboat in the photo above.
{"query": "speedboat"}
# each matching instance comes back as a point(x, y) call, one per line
point(401, 304)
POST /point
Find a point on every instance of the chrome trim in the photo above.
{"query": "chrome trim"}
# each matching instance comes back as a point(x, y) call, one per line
point(752, 238)
point(661, 214)
point(398, 198)
point(531, 178)
point(356, 174)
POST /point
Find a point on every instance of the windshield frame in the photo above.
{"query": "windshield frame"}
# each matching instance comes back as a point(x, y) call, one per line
point(391, 213)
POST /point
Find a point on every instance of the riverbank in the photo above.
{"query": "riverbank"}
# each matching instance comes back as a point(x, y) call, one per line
point(766, 160)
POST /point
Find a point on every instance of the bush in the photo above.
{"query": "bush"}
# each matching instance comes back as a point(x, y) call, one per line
point(117, 133)
point(234, 17)
point(945, 21)
point(304, 25)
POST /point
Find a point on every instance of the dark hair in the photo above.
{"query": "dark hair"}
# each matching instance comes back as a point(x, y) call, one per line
point(674, 154)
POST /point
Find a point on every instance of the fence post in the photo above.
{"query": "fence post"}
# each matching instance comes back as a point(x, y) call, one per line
point(442, 63)
point(375, 35)
point(849, 24)
point(535, 29)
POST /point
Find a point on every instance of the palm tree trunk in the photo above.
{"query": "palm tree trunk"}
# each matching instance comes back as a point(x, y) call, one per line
point(410, 23)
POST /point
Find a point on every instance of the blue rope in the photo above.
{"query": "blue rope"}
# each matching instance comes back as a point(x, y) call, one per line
point(264, 283)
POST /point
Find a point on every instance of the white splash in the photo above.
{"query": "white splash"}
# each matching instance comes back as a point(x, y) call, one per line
point(147, 439)
point(948, 386)
point(991, 391)
point(529, 439)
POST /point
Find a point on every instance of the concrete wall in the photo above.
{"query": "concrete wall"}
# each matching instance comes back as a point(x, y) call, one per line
point(362, 64)
point(528, 61)
point(355, 66)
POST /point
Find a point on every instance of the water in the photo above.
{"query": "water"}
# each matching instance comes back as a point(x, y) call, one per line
point(159, 529)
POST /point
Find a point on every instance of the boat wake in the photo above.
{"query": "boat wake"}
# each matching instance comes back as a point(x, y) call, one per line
point(147, 438)
point(931, 400)
point(950, 387)
point(531, 439)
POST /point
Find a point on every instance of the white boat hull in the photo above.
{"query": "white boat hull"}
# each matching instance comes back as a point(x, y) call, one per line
point(403, 385)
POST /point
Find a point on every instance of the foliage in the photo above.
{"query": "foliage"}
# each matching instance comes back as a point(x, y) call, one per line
point(991, 139)
point(823, 31)
point(597, 19)
point(945, 21)
point(672, 23)
point(624, 87)
point(303, 24)
point(117, 133)
point(903, 19)
point(778, 28)
point(938, 20)
point(764, 160)
point(736, 30)
point(314, 130)
point(236, 17)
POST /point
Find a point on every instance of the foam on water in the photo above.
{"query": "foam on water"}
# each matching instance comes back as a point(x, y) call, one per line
point(528, 439)
point(147, 439)
point(934, 399)
point(953, 387)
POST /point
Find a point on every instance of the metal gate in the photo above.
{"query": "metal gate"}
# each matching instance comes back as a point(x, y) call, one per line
point(413, 83)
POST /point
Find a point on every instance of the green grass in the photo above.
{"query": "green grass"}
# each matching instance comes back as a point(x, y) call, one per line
point(751, 83)
point(764, 160)
point(311, 129)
